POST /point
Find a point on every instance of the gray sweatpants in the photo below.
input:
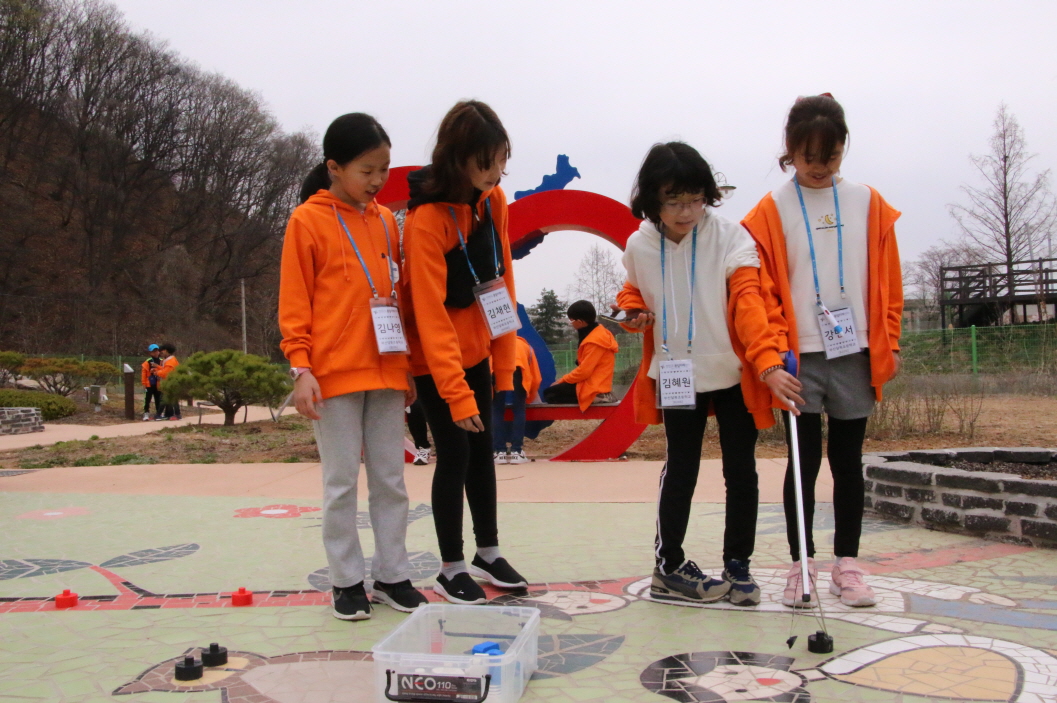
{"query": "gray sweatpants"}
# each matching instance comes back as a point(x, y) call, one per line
point(373, 421)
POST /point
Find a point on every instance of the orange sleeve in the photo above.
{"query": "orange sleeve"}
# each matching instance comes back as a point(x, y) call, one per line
point(297, 279)
point(750, 320)
point(145, 374)
point(630, 298)
point(773, 305)
point(504, 348)
point(536, 377)
point(167, 368)
point(424, 243)
point(592, 355)
point(894, 319)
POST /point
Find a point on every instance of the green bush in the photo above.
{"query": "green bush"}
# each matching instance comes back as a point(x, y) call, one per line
point(64, 376)
point(52, 406)
point(229, 379)
point(10, 363)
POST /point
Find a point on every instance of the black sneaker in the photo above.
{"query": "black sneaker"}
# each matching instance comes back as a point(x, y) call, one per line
point(460, 589)
point(351, 603)
point(398, 596)
point(743, 589)
point(687, 585)
point(499, 573)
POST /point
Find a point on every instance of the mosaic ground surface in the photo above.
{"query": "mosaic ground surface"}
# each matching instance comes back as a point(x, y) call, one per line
point(958, 618)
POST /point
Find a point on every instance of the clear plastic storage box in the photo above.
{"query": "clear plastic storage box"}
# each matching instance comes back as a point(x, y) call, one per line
point(430, 657)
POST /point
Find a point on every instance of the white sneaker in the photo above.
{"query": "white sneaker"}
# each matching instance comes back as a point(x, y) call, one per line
point(421, 457)
point(501, 458)
point(146, 417)
point(517, 457)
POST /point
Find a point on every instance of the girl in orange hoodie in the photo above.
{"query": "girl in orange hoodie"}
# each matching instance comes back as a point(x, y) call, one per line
point(348, 355)
point(461, 282)
point(833, 287)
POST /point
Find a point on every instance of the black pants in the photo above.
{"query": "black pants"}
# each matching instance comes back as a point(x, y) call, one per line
point(844, 450)
point(561, 393)
point(416, 423)
point(156, 395)
point(464, 463)
point(685, 431)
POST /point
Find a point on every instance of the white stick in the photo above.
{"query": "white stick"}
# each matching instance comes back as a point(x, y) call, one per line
point(801, 531)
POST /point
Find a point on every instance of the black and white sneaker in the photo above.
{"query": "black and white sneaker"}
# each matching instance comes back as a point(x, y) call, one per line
point(460, 589)
point(398, 596)
point(351, 603)
point(499, 573)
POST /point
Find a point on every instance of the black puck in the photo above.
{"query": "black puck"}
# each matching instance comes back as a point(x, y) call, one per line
point(188, 670)
point(215, 655)
point(819, 643)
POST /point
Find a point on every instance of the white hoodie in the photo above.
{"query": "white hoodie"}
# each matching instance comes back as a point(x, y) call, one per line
point(722, 248)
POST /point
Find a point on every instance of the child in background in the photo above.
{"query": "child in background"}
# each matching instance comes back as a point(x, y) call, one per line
point(337, 269)
point(170, 411)
point(149, 378)
point(833, 286)
point(458, 260)
point(695, 276)
point(596, 357)
point(511, 433)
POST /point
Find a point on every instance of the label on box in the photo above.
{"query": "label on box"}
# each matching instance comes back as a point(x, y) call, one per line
point(430, 687)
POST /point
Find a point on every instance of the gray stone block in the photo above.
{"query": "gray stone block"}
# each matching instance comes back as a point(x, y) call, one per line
point(936, 516)
point(894, 510)
point(1051, 512)
point(1026, 455)
point(889, 491)
point(901, 472)
point(964, 479)
point(979, 502)
point(892, 456)
point(1041, 530)
point(1046, 489)
point(986, 523)
point(934, 457)
point(920, 495)
point(1021, 509)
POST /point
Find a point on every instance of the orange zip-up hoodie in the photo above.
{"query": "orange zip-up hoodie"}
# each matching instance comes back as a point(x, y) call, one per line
point(166, 368)
point(324, 296)
point(596, 357)
point(445, 340)
point(746, 320)
point(145, 371)
point(531, 377)
point(884, 284)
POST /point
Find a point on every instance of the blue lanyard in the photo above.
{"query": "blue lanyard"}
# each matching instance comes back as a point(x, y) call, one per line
point(664, 295)
point(462, 241)
point(811, 243)
point(388, 246)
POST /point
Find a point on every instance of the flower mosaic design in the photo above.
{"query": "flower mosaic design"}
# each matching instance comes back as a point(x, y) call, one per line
point(276, 511)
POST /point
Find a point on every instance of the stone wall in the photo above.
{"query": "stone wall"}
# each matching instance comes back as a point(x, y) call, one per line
point(918, 487)
point(20, 421)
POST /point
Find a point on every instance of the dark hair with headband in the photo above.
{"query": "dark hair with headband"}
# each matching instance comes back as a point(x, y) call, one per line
point(815, 127)
point(470, 130)
point(347, 138)
point(676, 167)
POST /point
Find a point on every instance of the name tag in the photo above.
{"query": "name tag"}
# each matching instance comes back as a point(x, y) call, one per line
point(499, 312)
point(388, 327)
point(844, 343)
point(675, 385)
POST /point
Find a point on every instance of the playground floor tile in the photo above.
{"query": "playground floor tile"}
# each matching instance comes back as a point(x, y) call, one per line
point(957, 618)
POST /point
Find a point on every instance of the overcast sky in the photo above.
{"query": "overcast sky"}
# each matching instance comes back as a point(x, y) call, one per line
point(602, 81)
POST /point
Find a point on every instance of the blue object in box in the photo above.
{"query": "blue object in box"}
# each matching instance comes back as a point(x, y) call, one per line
point(490, 649)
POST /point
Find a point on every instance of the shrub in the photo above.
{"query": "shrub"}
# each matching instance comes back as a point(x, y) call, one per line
point(10, 363)
point(64, 376)
point(229, 379)
point(98, 373)
point(52, 407)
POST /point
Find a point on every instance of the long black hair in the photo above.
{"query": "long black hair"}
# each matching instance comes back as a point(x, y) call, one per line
point(347, 138)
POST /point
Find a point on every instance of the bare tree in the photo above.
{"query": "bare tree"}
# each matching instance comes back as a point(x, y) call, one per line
point(922, 278)
point(599, 278)
point(1011, 217)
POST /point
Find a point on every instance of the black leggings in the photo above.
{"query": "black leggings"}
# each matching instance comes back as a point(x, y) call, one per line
point(844, 450)
point(684, 431)
point(416, 423)
point(464, 463)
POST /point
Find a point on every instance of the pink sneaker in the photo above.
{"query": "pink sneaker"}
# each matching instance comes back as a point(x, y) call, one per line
point(849, 585)
point(793, 596)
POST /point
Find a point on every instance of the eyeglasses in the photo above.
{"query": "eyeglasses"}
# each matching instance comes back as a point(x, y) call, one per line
point(678, 206)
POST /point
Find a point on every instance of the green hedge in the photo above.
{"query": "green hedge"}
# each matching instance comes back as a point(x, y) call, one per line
point(52, 406)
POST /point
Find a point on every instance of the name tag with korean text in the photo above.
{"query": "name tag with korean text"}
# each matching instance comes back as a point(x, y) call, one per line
point(388, 327)
point(498, 309)
point(675, 385)
point(846, 341)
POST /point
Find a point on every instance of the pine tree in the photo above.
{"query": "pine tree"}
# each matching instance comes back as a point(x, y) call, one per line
point(548, 316)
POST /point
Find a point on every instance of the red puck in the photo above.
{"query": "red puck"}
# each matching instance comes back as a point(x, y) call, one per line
point(242, 597)
point(66, 599)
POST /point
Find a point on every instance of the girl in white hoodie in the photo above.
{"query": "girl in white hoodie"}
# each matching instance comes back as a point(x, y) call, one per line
point(694, 277)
